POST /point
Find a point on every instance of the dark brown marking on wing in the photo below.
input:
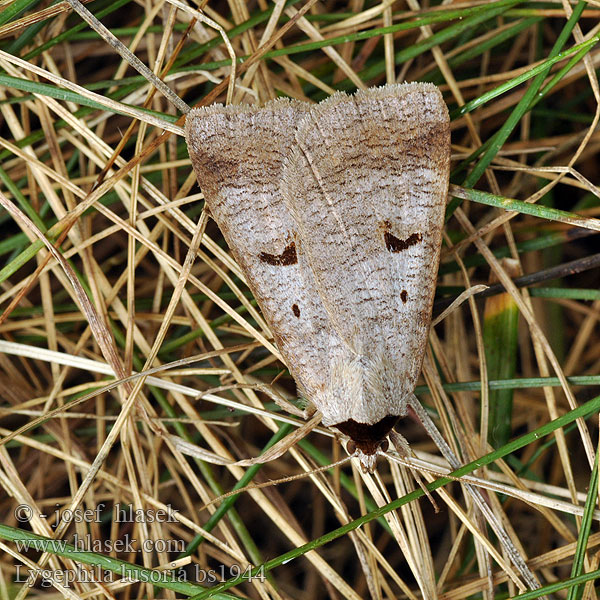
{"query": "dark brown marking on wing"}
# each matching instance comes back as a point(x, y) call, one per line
point(394, 244)
point(296, 310)
point(287, 257)
point(404, 296)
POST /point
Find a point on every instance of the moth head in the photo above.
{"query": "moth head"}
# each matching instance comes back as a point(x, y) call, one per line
point(368, 461)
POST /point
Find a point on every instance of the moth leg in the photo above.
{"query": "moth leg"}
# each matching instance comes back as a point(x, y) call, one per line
point(400, 444)
point(282, 402)
point(402, 447)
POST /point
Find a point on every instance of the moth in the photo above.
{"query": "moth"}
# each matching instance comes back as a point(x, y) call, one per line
point(334, 212)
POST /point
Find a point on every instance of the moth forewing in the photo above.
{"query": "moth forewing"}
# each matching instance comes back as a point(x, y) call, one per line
point(237, 153)
point(366, 186)
point(335, 212)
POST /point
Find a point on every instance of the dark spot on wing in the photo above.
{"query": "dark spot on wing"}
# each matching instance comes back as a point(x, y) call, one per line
point(296, 310)
point(404, 296)
point(287, 257)
point(394, 244)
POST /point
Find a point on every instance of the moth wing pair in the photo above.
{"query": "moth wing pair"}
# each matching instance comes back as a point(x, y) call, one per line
point(335, 212)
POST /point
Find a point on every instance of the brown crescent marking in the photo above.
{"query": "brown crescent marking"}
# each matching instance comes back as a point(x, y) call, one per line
point(287, 257)
point(404, 296)
point(394, 244)
point(296, 310)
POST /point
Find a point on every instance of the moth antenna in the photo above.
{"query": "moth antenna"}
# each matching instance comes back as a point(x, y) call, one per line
point(283, 445)
point(271, 454)
point(476, 494)
point(258, 486)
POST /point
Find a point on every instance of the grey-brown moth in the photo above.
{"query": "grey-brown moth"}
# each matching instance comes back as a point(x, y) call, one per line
point(335, 212)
